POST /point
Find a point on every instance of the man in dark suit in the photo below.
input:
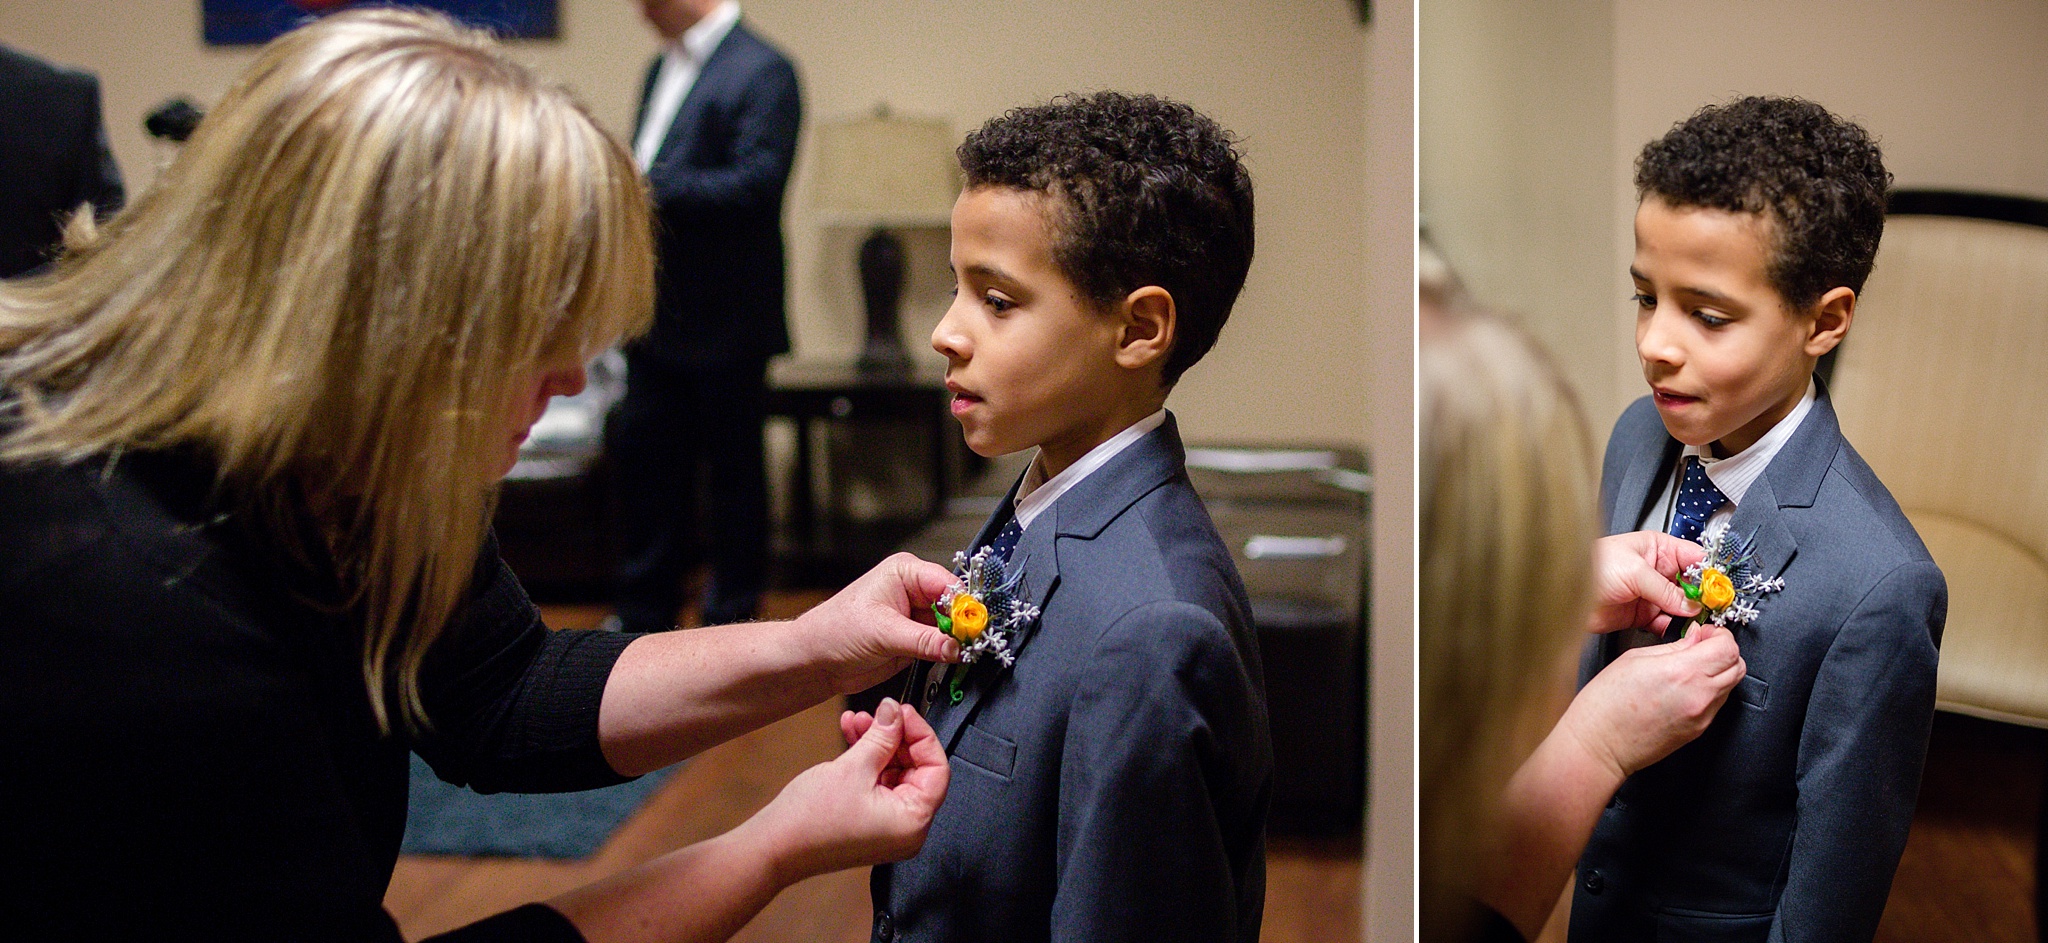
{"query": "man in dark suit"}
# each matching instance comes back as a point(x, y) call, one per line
point(716, 136)
point(54, 156)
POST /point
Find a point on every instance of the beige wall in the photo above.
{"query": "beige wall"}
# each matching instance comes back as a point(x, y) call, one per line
point(1510, 98)
point(1517, 126)
point(1288, 81)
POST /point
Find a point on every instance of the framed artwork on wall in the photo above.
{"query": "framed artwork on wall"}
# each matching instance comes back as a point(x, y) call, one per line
point(247, 22)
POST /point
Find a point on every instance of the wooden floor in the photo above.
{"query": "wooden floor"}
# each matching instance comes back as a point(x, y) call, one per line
point(1968, 871)
point(1312, 887)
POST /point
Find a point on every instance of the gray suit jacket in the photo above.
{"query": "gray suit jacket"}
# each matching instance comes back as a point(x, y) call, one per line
point(1113, 784)
point(1785, 820)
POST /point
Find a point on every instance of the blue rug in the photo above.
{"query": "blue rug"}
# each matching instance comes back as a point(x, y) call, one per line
point(451, 820)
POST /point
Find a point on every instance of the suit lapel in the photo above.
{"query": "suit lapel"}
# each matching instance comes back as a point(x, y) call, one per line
point(1792, 480)
point(1642, 483)
point(1037, 554)
point(1080, 514)
point(682, 132)
point(923, 671)
point(646, 92)
point(1757, 520)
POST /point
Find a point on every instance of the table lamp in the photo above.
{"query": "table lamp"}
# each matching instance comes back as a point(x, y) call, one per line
point(881, 171)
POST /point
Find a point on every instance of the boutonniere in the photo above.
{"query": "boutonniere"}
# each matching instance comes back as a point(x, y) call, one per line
point(1726, 583)
point(982, 611)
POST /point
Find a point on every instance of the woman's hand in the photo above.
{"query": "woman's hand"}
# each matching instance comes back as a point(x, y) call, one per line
point(1642, 706)
point(1634, 581)
point(1655, 699)
point(870, 630)
point(872, 804)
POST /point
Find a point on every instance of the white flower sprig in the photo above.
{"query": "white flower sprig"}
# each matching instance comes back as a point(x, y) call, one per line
point(1726, 583)
point(982, 610)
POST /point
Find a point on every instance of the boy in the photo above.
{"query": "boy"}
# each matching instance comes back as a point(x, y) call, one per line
point(1112, 783)
point(1757, 224)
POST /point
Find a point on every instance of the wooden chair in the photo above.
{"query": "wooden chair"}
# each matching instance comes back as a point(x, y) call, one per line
point(1942, 388)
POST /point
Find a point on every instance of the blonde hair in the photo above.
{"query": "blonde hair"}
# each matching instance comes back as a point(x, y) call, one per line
point(1507, 524)
point(334, 294)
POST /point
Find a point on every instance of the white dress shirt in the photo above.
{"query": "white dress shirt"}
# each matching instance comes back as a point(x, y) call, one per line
point(681, 61)
point(1038, 493)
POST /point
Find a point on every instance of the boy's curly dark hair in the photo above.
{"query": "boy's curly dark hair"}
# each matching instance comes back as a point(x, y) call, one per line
point(1819, 180)
point(1145, 191)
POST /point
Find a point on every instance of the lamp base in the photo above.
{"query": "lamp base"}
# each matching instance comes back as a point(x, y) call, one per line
point(879, 356)
point(881, 282)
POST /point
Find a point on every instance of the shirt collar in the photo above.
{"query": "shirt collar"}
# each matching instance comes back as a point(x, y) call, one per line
point(1733, 475)
point(700, 40)
point(1038, 493)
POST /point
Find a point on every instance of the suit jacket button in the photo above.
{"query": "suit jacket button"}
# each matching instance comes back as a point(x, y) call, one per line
point(1595, 883)
point(885, 929)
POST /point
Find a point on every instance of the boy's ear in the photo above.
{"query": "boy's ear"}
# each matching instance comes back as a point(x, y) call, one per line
point(1146, 332)
point(1831, 320)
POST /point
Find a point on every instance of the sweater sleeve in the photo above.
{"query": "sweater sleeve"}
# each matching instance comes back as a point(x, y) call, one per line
point(512, 705)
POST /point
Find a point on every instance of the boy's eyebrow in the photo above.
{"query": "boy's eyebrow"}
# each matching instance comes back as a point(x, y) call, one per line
point(983, 268)
point(1707, 293)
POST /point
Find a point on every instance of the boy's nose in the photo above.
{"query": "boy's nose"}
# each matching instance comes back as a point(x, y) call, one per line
point(1656, 341)
point(947, 339)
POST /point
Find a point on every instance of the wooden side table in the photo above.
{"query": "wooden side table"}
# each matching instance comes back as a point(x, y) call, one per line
point(817, 392)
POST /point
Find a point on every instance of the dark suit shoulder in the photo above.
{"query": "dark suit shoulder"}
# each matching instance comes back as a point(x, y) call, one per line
point(1868, 510)
point(22, 72)
point(1163, 548)
point(753, 51)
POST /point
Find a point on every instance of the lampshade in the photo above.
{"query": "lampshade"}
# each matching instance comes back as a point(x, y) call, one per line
point(881, 169)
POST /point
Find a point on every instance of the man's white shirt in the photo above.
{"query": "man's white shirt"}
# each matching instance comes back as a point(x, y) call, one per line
point(681, 62)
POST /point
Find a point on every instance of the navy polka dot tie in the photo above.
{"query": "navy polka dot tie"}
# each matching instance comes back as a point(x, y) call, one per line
point(1698, 499)
point(1006, 540)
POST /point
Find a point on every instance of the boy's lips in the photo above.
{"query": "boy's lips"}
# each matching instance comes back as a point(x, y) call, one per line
point(962, 400)
point(1670, 399)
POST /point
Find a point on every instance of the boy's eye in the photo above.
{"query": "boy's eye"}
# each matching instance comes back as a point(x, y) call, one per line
point(1643, 299)
point(997, 303)
point(1710, 319)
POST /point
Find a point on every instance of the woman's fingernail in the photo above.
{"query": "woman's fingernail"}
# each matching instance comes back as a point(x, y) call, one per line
point(886, 713)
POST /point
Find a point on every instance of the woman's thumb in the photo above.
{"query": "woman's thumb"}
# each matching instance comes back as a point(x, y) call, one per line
point(879, 743)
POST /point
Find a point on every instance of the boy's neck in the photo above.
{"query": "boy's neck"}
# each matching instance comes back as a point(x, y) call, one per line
point(1056, 457)
point(1729, 447)
point(1034, 490)
point(1736, 443)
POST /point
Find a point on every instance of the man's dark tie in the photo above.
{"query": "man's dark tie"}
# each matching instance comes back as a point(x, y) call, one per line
point(1698, 499)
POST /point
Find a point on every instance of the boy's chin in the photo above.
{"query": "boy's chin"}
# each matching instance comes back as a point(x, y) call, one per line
point(1687, 433)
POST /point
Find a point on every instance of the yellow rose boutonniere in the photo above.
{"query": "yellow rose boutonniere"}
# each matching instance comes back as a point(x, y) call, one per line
point(982, 611)
point(1726, 584)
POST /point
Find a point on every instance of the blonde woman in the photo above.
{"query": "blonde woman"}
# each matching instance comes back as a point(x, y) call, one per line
point(250, 436)
point(1508, 590)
